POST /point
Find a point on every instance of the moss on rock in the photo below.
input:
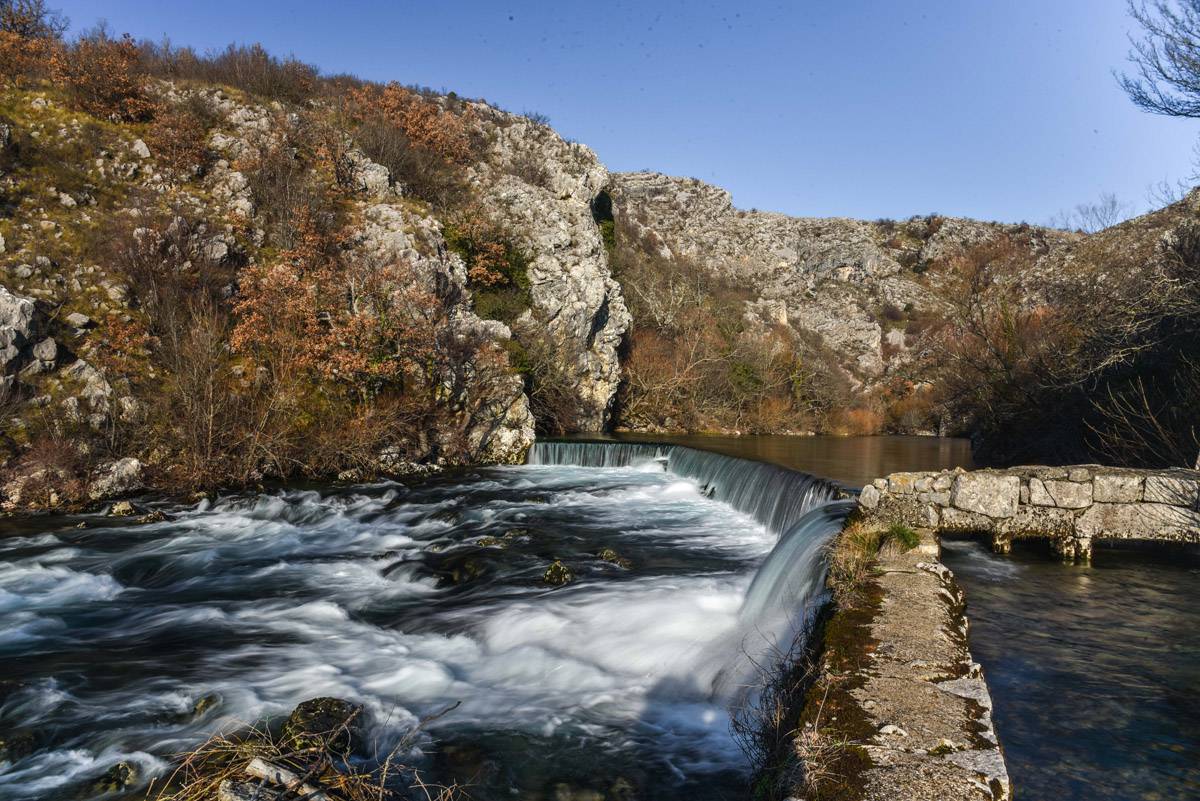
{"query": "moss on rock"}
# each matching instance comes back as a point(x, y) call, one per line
point(558, 574)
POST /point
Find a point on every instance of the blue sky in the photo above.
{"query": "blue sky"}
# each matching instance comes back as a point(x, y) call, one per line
point(997, 109)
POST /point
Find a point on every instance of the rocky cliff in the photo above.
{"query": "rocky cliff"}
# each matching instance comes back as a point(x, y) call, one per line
point(543, 187)
point(832, 277)
point(105, 216)
point(440, 273)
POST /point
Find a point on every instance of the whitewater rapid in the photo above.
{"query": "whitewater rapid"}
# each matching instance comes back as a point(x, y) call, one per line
point(112, 634)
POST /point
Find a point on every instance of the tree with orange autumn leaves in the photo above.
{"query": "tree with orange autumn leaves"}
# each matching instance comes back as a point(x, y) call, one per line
point(425, 122)
point(103, 77)
point(355, 323)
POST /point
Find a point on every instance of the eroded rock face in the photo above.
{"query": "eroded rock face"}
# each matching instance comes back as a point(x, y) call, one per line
point(824, 276)
point(542, 188)
point(501, 428)
point(19, 325)
point(385, 231)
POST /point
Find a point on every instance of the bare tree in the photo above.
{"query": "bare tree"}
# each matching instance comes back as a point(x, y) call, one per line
point(1092, 217)
point(1166, 59)
point(31, 19)
point(1166, 193)
point(1151, 424)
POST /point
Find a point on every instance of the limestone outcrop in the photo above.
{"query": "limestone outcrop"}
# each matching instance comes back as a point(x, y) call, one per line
point(385, 230)
point(76, 344)
point(830, 277)
point(542, 187)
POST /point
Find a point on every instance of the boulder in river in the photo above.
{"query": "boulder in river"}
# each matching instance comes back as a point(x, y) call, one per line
point(205, 703)
point(115, 478)
point(122, 509)
point(329, 722)
point(558, 574)
point(614, 558)
point(116, 778)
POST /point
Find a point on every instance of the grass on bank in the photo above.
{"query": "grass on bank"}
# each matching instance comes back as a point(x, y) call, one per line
point(801, 726)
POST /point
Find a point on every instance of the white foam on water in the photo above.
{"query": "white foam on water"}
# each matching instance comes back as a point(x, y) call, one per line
point(981, 561)
point(33, 585)
point(619, 660)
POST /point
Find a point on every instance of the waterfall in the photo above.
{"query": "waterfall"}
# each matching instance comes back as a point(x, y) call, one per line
point(804, 511)
point(774, 496)
point(792, 577)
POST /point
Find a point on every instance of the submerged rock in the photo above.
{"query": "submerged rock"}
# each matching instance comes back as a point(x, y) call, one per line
point(558, 574)
point(116, 778)
point(510, 536)
point(459, 568)
point(122, 509)
point(205, 703)
point(16, 744)
point(614, 558)
point(622, 790)
point(445, 516)
point(567, 792)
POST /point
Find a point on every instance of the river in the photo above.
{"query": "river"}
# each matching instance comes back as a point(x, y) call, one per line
point(1094, 670)
point(126, 642)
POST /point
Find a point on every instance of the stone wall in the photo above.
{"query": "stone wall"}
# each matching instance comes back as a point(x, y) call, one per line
point(1072, 506)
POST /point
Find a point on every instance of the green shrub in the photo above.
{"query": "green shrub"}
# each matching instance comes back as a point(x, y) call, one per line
point(904, 535)
point(497, 270)
point(503, 303)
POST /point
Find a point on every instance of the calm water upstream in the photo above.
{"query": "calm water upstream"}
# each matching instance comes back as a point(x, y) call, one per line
point(850, 460)
point(1094, 671)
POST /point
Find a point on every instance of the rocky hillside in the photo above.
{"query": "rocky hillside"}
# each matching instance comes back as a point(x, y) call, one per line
point(220, 270)
point(1065, 344)
point(209, 284)
point(840, 279)
point(542, 187)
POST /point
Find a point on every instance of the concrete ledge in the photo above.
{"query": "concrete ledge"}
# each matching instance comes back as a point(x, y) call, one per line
point(907, 696)
point(1070, 505)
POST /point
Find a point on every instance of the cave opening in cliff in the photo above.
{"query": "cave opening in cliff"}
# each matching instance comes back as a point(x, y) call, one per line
point(602, 208)
point(602, 213)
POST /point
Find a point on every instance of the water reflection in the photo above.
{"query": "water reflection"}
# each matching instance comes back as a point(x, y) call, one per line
point(851, 460)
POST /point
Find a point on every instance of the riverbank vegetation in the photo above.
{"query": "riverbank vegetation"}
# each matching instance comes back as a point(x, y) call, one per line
point(206, 268)
point(1090, 362)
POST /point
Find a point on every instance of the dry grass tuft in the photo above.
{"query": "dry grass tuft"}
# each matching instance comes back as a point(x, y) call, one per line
point(317, 765)
point(764, 717)
point(820, 752)
point(851, 555)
